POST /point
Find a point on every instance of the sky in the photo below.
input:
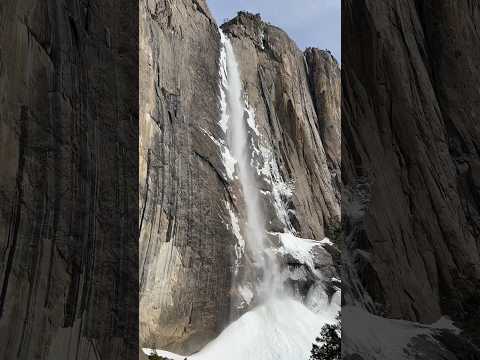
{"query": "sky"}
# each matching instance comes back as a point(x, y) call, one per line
point(314, 23)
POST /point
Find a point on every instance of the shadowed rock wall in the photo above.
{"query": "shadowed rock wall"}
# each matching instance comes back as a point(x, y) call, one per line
point(410, 155)
point(68, 184)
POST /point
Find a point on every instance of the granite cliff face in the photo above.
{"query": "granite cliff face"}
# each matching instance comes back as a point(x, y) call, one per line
point(277, 78)
point(68, 184)
point(188, 258)
point(410, 157)
point(186, 251)
point(325, 85)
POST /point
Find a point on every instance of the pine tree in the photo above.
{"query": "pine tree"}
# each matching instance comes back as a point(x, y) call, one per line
point(328, 345)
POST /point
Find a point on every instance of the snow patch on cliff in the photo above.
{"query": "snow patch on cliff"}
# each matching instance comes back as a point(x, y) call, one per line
point(300, 249)
point(229, 162)
point(282, 190)
point(227, 158)
point(246, 293)
point(251, 118)
point(235, 228)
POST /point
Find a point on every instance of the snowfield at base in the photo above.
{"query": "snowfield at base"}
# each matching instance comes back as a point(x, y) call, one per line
point(280, 329)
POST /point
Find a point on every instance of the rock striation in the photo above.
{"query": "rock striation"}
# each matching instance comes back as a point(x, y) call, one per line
point(68, 183)
point(410, 158)
point(325, 85)
point(186, 251)
point(188, 259)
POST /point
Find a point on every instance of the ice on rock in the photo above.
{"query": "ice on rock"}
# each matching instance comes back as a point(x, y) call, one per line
point(235, 227)
point(227, 158)
point(246, 293)
point(281, 190)
point(300, 249)
point(251, 118)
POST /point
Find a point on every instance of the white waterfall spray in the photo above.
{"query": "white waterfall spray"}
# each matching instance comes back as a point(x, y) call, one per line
point(235, 116)
point(238, 143)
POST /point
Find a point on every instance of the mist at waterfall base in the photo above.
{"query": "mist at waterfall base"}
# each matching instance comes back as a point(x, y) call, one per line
point(281, 326)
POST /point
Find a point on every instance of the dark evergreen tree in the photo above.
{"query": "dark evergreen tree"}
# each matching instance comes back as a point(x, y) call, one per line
point(158, 357)
point(155, 357)
point(328, 345)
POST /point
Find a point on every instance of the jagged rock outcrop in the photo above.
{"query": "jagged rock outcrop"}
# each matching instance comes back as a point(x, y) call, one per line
point(68, 189)
point(410, 156)
point(187, 248)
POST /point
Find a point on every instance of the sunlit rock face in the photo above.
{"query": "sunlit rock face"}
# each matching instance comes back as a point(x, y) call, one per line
point(186, 250)
point(198, 268)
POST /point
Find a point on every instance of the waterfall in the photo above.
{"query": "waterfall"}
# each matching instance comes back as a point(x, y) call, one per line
point(238, 142)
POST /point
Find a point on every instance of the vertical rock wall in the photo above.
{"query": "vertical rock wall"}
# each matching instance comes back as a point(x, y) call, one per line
point(325, 85)
point(68, 184)
point(410, 155)
point(186, 249)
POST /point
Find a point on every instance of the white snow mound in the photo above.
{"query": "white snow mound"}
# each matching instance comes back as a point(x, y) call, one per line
point(280, 329)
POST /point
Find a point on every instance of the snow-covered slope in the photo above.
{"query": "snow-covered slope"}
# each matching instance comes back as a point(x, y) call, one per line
point(375, 338)
point(280, 329)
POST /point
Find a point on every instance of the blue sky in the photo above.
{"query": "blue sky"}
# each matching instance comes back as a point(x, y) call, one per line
point(308, 22)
